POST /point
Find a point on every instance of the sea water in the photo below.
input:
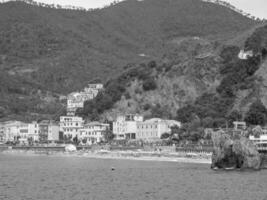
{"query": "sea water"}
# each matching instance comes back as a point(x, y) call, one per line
point(54, 178)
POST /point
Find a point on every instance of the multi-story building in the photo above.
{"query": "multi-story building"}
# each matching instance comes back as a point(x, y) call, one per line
point(33, 131)
point(93, 132)
point(76, 100)
point(48, 131)
point(2, 131)
point(70, 125)
point(13, 130)
point(154, 128)
point(125, 127)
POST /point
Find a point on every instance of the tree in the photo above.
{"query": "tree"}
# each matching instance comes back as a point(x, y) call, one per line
point(185, 114)
point(234, 116)
point(149, 84)
point(207, 122)
point(165, 136)
point(257, 114)
point(108, 136)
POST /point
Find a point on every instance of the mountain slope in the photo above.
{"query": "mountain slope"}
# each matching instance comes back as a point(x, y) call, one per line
point(60, 51)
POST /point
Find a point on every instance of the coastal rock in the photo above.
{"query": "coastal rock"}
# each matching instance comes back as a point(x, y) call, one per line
point(229, 153)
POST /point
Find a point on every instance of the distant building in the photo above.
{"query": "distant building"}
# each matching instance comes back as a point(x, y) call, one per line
point(244, 55)
point(240, 125)
point(48, 131)
point(93, 132)
point(260, 139)
point(154, 128)
point(70, 125)
point(33, 131)
point(2, 132)
point(76, 100)
point(13, 130)
point(125, 127)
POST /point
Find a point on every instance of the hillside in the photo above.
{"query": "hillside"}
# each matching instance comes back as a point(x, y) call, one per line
point(198, 80)
point(55, 51)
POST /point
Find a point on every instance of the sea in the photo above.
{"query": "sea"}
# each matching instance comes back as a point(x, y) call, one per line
point(42, 177)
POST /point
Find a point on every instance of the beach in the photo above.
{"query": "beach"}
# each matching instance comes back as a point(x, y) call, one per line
point(183, 157)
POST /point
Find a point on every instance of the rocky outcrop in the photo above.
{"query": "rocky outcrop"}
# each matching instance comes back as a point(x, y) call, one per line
point(234, 153)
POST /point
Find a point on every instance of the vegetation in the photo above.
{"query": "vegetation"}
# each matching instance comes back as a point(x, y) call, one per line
point(215, 109)
point(257, 114)
point(45, 51)
point(116, 88)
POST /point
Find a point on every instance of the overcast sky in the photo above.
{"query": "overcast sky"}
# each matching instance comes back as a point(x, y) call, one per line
point(257, 8)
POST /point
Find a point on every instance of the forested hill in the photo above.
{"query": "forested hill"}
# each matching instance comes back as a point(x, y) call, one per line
point(48, 51)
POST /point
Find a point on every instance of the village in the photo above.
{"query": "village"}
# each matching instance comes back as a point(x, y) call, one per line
point(73, 129)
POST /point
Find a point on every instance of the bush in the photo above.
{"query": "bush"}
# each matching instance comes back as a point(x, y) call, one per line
point(149, 84)
point(257, 114)
point(165, 136)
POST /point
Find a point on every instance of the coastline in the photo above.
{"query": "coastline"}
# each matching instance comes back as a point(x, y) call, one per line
point(179, 157)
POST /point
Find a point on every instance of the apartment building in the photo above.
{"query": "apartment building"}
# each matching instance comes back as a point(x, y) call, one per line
point(93, 132)
point(154, 128)
point(70, 125)
point(125, 127)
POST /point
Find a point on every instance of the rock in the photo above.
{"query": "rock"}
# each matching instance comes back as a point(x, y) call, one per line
point(70, 148)
point(237, 152)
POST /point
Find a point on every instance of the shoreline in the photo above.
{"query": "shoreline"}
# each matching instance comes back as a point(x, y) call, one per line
point(121, 155)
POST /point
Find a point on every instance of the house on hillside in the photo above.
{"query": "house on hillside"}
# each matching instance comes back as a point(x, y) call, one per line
point(244, 55)
point(76, 100)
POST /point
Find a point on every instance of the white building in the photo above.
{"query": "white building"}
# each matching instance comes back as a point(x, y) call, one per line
point(244, 55)
point(70, 125)
point(93, 132)
point(2, 132)
point(53, 132)
point(13, 130)
point(125, 127)
point(33, 131)
point(154, 128)
point(260, 139)
point(76, 100)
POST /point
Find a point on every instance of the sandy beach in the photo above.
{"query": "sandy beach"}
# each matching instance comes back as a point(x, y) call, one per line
point(182, 157)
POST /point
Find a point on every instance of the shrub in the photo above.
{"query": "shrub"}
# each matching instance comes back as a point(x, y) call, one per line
point(257, 114)
point(149, 84)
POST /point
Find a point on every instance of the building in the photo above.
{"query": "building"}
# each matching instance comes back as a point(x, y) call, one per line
point(240, 125)
point(70, 125)
point(125, 127)
point(48, 131)
point(33, 131)
point(13, 130)
point(154, 128)
point(244, 55)
point(76, 100)
point(2, 132)
point(93, 132)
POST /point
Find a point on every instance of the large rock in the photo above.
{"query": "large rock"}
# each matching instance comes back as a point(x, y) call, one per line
point(237, 152)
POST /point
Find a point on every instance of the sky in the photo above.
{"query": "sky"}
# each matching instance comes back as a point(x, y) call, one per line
point(256, 8)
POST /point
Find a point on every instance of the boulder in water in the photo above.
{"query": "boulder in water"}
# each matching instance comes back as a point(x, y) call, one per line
point(234, 153)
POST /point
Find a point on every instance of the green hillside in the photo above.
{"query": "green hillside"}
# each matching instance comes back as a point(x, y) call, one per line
point(49, 51)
